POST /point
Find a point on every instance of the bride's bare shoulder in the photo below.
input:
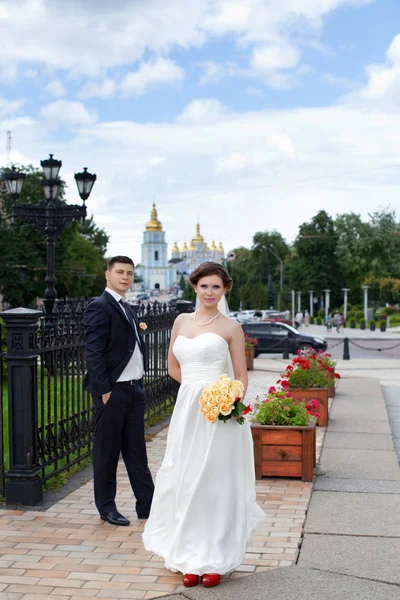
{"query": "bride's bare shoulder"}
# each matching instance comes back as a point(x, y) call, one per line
point(231, 325)
point(183, 318)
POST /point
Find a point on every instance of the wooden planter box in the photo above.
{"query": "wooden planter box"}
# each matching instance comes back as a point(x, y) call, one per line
point(249, 358)
point(320, 394)
point(284, 451)
point(330, 377)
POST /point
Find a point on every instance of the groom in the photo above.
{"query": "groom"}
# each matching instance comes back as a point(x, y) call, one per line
point(115, 366)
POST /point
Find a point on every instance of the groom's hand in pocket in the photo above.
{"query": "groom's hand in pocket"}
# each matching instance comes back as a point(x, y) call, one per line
point(105, 397)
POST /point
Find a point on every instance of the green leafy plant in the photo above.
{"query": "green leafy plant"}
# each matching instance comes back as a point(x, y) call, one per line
point(319, 321)
point(303, 373)
point(282, 408)
point(359, 315)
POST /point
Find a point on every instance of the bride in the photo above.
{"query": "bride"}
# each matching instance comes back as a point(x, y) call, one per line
point(204, 508)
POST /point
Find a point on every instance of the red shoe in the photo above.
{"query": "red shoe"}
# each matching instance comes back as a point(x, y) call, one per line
point(211, 579)
point(190, 580)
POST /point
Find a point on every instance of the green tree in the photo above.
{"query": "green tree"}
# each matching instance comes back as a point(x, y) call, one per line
point(313, 264)
point(268, 247)
point(259, 295)
point(352, 252)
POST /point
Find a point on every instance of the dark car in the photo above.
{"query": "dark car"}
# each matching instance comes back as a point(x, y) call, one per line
point(271, 337)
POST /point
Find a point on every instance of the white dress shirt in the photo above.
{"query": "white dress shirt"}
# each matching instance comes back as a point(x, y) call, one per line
point(135, 367)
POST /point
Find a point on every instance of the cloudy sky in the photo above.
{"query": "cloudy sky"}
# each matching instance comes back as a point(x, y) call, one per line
point(247, 115)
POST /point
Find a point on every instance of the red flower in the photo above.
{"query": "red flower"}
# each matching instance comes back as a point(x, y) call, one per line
point(337, 376)
point(284, 383)
point(271, 389)
point(317, 414)
point(247, 410)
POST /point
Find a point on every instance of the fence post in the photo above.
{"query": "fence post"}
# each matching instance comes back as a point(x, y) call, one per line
point(23, 484)
point(346, 349)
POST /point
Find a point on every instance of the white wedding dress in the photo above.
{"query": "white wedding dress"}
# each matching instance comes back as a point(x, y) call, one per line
point(204, 508)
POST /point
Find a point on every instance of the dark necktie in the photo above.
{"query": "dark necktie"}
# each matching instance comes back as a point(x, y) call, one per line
point(131, 320)
point(128, 313)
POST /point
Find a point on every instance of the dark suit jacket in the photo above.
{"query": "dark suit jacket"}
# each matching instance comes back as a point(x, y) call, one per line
point(109, 343)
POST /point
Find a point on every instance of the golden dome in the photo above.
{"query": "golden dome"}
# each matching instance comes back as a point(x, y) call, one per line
point(191, 247)
point(213, 246)
point(184, 247)
point(220, 248)
point(154, 224)
point(175, 248)
point(198, 238)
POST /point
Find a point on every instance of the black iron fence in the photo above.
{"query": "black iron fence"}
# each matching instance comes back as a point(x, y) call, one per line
point(64, 410)
point(45, 358)
point(3, 414)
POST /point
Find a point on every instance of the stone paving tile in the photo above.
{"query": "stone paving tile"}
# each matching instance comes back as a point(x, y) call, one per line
point(67, 553)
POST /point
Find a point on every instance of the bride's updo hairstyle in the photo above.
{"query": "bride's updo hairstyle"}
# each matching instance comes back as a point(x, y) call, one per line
point(211, 268)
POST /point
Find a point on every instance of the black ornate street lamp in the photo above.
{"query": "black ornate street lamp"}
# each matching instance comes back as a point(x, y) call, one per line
point(50, 216)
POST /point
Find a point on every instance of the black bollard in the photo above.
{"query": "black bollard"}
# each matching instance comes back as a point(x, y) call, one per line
point(346, 349)
point(285, 347)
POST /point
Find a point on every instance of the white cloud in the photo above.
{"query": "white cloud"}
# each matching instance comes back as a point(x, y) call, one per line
point(203, 110)
point(156, 160)
point(151, 73)
point(383, 82)
point(227, 17)
point(10, 107)
point(64, 112)
point(103, 89)
point(88, 39)
point(344, 82)
point(273, 57)
point(8, 73)
point(55, 88)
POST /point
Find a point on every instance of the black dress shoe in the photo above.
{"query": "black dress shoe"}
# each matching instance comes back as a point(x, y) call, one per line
point(115, 518)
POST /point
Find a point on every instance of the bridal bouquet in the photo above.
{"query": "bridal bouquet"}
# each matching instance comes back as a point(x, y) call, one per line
point(221, 400)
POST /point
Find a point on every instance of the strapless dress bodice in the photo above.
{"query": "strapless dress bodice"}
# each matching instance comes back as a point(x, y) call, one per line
point(201, 358)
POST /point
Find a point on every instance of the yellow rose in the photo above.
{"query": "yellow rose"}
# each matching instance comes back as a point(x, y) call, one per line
point(219, 400)
point(210, 418)
point(224, 376)
point(142, 326)
point(204, 410)
point(203, 400)
point(211, 401)
point(229, 399)
point(225, 410)
point(215, 411)
point(224, 387)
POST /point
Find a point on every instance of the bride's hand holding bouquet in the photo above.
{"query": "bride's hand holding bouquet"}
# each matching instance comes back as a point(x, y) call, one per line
point(221, 399)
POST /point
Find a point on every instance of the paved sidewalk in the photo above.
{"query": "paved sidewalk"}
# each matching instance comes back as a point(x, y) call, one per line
point(351, 545)
point(67, 553)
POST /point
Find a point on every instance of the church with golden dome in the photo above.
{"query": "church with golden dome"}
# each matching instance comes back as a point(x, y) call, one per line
point(159, 272)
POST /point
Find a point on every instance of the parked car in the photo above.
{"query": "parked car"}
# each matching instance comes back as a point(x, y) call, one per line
point(271, 337)
point(277, 317)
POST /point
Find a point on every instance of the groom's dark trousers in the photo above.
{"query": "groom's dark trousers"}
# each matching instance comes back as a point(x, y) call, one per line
point(110, 340)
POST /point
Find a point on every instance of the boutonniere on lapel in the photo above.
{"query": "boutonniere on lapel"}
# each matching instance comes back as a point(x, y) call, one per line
point(142, 326)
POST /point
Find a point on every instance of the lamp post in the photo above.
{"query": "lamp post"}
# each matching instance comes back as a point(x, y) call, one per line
point(50, 216)
point(327, 301)
point(311, 292)
point(345, 292)
point(274, 252)
point(298, 301)
point(365, 287)
point(293, 307)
